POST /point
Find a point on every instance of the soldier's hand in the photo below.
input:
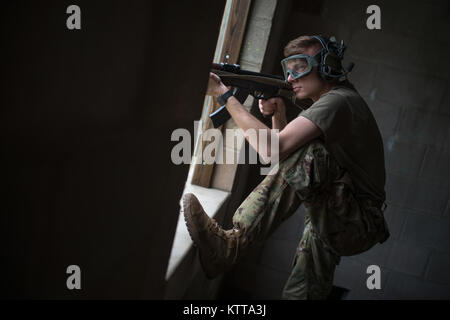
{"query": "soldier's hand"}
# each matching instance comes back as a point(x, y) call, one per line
point(215, 86)
point(271, 106)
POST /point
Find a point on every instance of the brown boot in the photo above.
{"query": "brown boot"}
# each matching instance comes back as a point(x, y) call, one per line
point(218, 248)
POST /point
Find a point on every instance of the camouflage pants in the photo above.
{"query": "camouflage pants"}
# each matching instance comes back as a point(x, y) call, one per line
point(337, 222)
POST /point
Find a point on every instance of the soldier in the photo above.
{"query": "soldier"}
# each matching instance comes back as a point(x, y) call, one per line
point(331, 160)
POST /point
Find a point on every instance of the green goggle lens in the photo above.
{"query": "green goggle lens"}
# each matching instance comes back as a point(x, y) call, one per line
point(298, 65)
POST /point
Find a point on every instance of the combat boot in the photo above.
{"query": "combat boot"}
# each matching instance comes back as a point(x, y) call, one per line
point(218, 249)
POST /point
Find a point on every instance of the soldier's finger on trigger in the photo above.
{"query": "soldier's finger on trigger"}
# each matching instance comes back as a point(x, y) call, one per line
point(262, 105)
point(264, 109)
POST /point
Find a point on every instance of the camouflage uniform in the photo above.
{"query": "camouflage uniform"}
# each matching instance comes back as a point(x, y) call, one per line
point(338, 222)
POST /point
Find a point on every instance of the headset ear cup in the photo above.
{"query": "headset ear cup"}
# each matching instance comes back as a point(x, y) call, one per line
point(324, 69)
point(332, 65)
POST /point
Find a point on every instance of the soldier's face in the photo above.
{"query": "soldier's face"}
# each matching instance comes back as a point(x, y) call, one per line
point(309, 86)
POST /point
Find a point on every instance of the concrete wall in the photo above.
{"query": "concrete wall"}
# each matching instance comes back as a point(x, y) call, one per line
point(403, 73)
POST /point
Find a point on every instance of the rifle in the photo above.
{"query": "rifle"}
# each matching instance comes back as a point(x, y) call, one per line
point(245, 83)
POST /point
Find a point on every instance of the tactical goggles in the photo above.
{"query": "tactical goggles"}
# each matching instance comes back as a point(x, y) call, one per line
point(299, 65)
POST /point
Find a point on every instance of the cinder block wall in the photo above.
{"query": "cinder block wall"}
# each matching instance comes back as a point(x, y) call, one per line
point(403, 73)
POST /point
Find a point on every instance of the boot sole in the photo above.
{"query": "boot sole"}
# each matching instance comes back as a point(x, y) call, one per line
point(193, 232)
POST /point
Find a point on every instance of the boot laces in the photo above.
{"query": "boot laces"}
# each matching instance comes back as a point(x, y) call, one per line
point(215, 228)
point(232, 239)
